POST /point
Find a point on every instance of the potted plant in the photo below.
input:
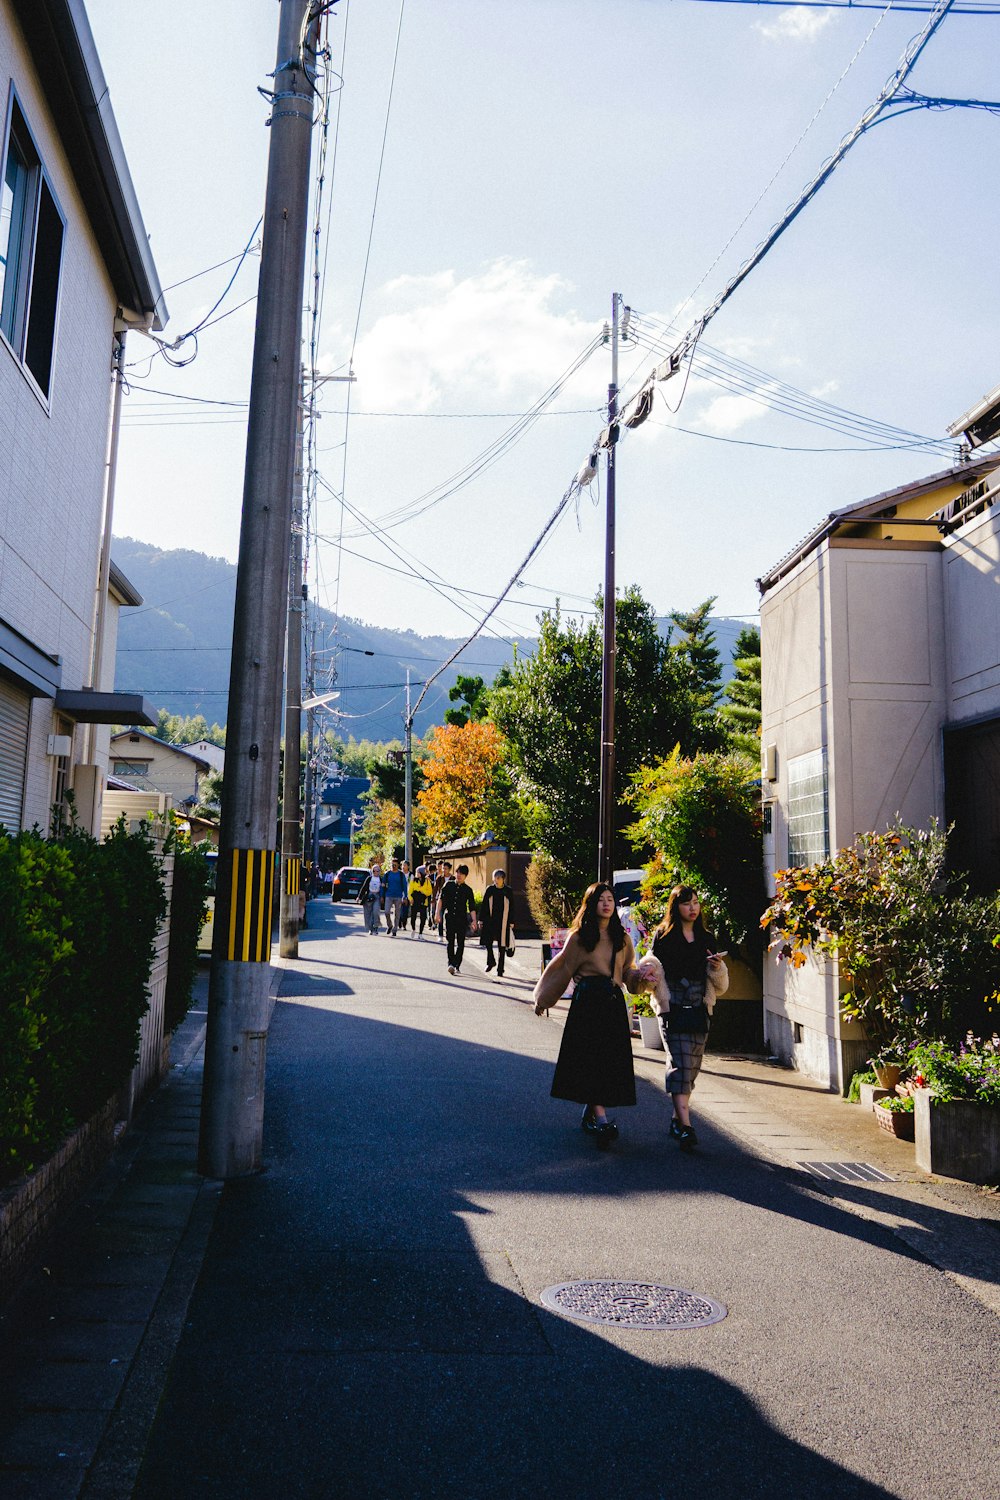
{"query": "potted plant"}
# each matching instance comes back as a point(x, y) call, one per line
point(957, 1111)
point(649, 1024)
point(887, 1070)
point(894, 1114)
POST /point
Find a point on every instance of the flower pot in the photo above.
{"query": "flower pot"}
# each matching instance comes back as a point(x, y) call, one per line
point(888, 1075)
point(649, 1030)
point(898, 1123)
point(869, 1095)
point(960, 1139)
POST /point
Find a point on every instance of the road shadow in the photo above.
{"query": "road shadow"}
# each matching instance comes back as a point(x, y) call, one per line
point(350, 1335)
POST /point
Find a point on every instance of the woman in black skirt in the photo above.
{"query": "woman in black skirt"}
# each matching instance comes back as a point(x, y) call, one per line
point(695, 974)
point(595, 1058)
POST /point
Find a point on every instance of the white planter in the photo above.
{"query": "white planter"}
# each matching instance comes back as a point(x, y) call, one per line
point(649, 1030)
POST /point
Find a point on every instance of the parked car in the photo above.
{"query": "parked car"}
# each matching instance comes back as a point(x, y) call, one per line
point(347, 883)
point(625, 884)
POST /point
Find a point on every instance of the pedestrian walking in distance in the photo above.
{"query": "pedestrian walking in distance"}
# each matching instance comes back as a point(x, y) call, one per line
point(694, 975)
point(370, 898)
point(394, 892)
point(421, 892)
point(457, 904)
point(443, 875)
point(594, 1067)
point(494, 919)
point(404, 910)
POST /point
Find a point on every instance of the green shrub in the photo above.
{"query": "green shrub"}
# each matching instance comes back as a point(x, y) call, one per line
point(78, 923)
point(188, 909)
point(552, 898)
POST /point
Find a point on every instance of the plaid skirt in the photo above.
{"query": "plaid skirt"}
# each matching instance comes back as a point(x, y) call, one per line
point(686, 1049)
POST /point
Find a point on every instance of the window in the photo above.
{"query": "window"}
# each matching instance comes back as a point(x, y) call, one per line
point(32, 230)
point(130, 768)
point(808, 809)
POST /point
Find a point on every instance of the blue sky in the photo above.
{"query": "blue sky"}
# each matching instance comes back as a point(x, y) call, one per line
point(541, 154)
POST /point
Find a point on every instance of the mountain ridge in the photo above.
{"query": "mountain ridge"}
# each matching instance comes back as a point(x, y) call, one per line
point(175, 648)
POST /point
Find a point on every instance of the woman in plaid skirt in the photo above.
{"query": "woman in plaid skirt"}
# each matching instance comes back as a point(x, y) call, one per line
point(695, 975)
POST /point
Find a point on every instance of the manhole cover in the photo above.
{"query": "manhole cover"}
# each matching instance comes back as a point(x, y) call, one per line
point(632, 1304)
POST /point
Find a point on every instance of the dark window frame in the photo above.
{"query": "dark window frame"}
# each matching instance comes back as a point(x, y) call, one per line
point(30, 306)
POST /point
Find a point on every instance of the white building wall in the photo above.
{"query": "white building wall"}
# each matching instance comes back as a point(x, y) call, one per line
point(853, 663)
point(52, 459)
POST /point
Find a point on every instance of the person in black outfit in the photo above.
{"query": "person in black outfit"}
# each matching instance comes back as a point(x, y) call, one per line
point(494, 918)
point(456, 905)
point(695, 974)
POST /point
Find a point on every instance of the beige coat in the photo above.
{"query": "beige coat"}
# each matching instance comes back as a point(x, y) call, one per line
point(716, 984)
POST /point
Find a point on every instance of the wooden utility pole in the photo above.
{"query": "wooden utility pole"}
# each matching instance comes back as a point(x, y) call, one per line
point(606, 839)
point(238, 1007)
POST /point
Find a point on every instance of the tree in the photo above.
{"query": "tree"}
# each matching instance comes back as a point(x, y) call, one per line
point(382, 834)
point(461, 763)
point(472, 694)
point(697, 647)
point(177, 730)
point(740, 714)
point(702, 816)
point(549, 710)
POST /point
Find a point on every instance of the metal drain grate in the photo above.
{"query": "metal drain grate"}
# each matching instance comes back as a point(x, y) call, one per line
point(846, 1171)
point(632, 1304)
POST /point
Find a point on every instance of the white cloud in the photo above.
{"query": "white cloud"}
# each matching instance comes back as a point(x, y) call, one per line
point(728, 414)
point(799, 23)
point(445, 342)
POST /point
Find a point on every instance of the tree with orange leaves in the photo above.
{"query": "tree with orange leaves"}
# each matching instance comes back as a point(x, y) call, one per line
point(466, 788)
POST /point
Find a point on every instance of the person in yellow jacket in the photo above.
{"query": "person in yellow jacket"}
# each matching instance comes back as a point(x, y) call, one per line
point(421, 891)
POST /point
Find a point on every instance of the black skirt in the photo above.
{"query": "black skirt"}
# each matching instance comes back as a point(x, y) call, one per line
point(595, 1059)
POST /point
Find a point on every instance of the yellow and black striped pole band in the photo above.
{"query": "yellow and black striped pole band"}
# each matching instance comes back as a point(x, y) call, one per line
point(250, 889)
point(293, 875)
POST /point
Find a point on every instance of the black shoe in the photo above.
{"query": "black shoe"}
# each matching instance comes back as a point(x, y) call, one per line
point(607, 1133)
point(687, 1138)
point(489, 967)
point(675, 1128)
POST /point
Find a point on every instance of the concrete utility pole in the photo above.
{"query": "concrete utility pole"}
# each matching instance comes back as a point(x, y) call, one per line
point(408, 783)
point(238, 1007)
point(291, 851)
point(606, 839)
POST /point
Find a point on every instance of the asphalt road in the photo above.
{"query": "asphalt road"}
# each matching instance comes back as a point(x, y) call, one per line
point(367, 1319)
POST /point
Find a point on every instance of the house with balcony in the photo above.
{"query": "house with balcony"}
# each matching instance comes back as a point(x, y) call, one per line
point(76, 273)
point(880, 647)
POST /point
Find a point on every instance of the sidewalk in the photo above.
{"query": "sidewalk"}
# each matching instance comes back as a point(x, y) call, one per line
point(363, 1317)
point(87, 1340)
point(799, 1126)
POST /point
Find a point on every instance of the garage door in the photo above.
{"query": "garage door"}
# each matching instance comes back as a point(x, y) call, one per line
point(15, 707)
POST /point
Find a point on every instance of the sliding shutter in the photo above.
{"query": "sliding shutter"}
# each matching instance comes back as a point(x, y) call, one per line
point(15, 707)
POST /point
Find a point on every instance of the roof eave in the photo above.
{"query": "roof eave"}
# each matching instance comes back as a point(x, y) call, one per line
point(64, 54)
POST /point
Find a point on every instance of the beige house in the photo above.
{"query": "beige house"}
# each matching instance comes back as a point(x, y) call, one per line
point(75, 273)
point(880, 644)
point(146, 764)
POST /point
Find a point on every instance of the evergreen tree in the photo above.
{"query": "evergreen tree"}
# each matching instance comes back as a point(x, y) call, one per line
point(740, 714)
point(548, 706)
point(472, 694)
point(698, 649)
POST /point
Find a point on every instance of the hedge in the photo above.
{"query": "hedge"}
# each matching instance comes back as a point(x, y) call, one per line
point(78, 924)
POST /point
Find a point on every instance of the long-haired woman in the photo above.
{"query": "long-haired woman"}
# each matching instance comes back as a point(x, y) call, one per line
point(695, 975)
point(595, 1059)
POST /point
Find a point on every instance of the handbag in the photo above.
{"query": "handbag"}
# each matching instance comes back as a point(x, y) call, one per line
point(511, 942)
